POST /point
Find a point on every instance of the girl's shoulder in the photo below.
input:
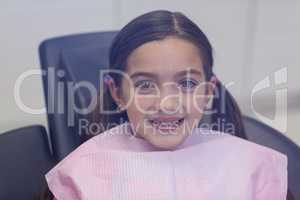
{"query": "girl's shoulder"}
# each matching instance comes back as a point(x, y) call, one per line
point(62, 178)
point(239, 161)
point(229, 144)
point(109, 139)
point(233, 152)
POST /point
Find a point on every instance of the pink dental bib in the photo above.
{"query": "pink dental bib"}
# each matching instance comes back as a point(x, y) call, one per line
point(208, 165)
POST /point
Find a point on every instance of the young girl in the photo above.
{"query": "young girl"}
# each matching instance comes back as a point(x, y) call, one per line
point(161, 82)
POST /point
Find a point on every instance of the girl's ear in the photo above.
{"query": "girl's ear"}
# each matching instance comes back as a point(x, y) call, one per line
point(114, 91)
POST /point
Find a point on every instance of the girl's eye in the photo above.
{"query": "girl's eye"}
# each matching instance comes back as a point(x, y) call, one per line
point(188, 83)
point(144, 85)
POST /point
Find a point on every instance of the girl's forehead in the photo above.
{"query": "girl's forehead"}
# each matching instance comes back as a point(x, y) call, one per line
point(165, 51)
point(170, 55)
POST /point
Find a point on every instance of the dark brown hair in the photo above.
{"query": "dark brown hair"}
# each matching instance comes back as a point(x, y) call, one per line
point(157, 25)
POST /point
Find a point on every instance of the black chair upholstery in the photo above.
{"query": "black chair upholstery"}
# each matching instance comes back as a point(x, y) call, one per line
point(83, 55)
point(73, 59)
point(265, 135)
point(25, 158)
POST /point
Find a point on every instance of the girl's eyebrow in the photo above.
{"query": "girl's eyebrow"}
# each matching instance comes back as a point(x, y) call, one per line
point(149, 74)
point(189, 71)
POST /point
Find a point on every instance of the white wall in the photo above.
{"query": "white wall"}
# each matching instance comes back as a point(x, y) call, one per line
point(24, 24)
point(252, 39)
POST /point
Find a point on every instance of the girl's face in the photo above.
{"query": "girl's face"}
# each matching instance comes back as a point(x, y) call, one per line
point(166, 93)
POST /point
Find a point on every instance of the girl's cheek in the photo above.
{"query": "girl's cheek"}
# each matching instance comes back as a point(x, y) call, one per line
point(199, 99)
point(193, 103)
point(143, 103)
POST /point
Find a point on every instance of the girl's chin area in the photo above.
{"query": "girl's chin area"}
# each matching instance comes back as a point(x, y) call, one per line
point(165, 141)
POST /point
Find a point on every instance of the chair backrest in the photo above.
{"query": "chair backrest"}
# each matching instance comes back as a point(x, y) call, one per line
point(265, 135)
point(25, 158)
point(81, 57)
point(70, 65)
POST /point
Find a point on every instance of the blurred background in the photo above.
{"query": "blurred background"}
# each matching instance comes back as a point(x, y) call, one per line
point(256, 46)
